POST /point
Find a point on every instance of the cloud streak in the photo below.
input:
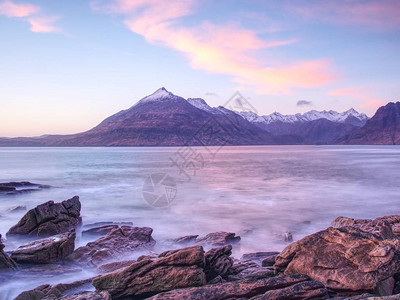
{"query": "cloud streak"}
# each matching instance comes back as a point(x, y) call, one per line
point(304, 103)
point(29, 13)
point(370, 102)
point(227, 49)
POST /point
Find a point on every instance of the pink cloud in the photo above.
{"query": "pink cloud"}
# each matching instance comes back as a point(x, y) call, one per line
point(10, 9)
point(370, 101)
point(225, 49)
point(370, 14)
point(43, 25)
point(28, 12)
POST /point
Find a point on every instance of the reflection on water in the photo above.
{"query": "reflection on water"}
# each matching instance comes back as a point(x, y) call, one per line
point(257, 192)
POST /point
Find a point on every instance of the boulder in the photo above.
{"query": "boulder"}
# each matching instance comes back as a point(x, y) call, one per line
point(46, 251)
point(218, 239)
point(218, 262)
point(301, 290)
point(235, 290)
point(99, 231)
point(171, 270)
point(6, 263)
point(11, 188)
point(269, 261)
point(111, 267)
point(186, 240)
point(114, 246)
point(49, 219)
point(347, 258)
point(258, 257)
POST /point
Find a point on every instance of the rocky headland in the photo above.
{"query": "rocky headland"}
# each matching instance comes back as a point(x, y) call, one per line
point(352, 259)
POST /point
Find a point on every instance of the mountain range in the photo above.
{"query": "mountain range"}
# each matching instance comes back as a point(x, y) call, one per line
point(164, 119)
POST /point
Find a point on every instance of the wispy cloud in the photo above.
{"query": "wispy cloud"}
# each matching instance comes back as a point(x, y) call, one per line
point(211, 94)
point(370, 102)
point(227, 49)
point(304, 103)
point(10, 9)
point(376, 14)
point(39, 23)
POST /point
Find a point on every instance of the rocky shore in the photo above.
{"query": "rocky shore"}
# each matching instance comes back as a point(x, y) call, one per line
point(352, 259)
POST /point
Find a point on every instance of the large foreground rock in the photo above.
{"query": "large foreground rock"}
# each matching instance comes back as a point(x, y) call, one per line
point(171, 270)
point(114, 246)
point(302, 288)
point(346, 258)
point(49, 219)
point(6, 263)
point(47, 250)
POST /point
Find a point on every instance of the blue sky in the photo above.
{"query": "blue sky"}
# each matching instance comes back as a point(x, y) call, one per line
point(66, 65)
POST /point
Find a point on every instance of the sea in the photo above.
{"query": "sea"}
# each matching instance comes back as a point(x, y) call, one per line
point(264, 194)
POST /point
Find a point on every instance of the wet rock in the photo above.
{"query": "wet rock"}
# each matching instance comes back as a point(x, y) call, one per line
point(38, 293)
point(218, 239)
point(114, 246)
point(241, 265)
point(17, 209)
point(46, 250)
point(172, 270)
point(82, 296)
point(302, 290)
point(218, 262)
point(385, 287)
point(6, 262)
point(99, 231)
point(347, 258)
point(12, 188)
point(258, 257)
point(111, 267)
point(49, 219)
point(269, 261)
point(47, 270)
point(186, 240)
point(233, 290)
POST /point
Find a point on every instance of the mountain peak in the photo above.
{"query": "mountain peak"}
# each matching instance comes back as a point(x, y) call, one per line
point(159, 95)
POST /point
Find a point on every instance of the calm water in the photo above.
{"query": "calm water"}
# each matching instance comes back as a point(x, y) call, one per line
point(257, 192)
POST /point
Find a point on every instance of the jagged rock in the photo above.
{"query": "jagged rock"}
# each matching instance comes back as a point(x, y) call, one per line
point(218, 262)
point(186, 240)
point(301, 290)
point(99, 231)
point(115, 245)
point(46, 250)
point(49, 292)
point(82, 296)
point(240, 265)
point(269, 261)
point(218, 239)
point(172, 270)
point(111, 267)
point(49, 219)
point(348, 258)
point(368, 224)
point(12, 188)
point(258, 257)
point(233, 290)
point(6, 263)
point(46, 270)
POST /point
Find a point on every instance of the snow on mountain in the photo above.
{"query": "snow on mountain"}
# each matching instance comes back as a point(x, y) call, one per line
point(201, 104)
point(306, 117)
point(160, 95)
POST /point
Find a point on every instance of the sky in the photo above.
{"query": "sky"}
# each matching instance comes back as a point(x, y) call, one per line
point(67, 65)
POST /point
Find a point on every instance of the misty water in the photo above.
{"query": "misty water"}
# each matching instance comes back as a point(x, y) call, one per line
point(258, 192)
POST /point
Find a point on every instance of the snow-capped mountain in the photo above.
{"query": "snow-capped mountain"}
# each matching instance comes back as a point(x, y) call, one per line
point(311, 115)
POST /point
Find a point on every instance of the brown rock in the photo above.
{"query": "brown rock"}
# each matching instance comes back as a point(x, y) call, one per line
point(218, 239)
point(101, 230)
point(115, 245)
point(232, 290)
point(111, 267)
point(269, 261)
point(186, 240)
point(218, 262)
point(172, 270)
point(82, 296)
point(301, 290)
point(347, 258)
point(258, 257)
point(46, 251)
point(49, 219)
point(6, 263)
